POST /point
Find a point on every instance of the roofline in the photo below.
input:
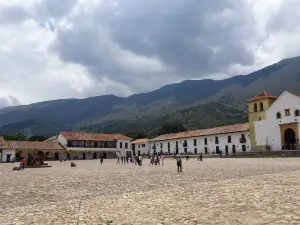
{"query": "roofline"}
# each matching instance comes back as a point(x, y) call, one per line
point(252, 99)
point(152, 140)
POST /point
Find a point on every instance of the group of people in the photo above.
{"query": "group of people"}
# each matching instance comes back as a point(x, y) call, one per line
point(136, 159)
point(157, 158)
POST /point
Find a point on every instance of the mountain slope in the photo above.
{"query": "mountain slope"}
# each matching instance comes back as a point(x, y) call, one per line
point(111, 113)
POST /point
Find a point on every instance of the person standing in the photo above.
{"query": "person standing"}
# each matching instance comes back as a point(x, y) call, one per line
point(162, 158)
point(101, 159)
point(200, 157)
point(118, 160)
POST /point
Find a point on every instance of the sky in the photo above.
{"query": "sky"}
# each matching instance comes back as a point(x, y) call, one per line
point(53, 49)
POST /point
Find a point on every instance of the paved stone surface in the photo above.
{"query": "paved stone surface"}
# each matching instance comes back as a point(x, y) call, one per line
point(215, 191)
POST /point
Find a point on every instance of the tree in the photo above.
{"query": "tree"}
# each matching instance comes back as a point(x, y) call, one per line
point(136, 135)
point(171, 127)
point(20, 137)
point(37, 138)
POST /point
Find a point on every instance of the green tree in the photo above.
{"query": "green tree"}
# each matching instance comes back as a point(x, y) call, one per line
point(20, 137)
point(171, 127)
point(136, 135)
point(37, 138)
point(9, 137)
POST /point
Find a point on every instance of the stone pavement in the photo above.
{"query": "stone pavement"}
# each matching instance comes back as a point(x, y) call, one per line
point(215, 191)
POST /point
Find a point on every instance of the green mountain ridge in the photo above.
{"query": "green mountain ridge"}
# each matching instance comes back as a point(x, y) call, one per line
point(196, 103)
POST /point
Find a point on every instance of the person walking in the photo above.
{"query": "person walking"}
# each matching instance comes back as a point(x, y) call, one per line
point(118, 160)
point(179, 164)
point(101, 159)
point(200, 157)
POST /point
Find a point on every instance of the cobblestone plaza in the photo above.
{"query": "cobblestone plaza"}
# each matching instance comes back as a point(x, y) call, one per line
point(215, 191)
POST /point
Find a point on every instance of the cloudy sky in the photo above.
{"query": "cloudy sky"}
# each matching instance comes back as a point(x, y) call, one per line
point(53, 49)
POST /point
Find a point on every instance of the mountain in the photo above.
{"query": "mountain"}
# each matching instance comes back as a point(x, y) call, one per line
point(196, 103)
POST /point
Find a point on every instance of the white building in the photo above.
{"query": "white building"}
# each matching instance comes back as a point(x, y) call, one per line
point(278, 124)
point(7, 153)
point(228, 139)
point(141, 146)
point(93, 145)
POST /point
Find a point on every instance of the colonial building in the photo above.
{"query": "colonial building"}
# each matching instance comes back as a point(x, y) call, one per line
point(93, 145)
point(274, 122)
point(141, 146)
point(14, 150)
point(228, 139)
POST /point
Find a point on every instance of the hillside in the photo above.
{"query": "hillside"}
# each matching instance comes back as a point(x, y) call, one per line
point(189, 101)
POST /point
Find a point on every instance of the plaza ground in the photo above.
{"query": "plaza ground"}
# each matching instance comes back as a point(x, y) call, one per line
point(215, 191)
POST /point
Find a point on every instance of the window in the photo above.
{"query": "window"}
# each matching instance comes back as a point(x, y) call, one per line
point(195, 142)
point(259, 118)
point(176, 143)
point(185, 143)
point(195, 151)
point(287, 112)
point(161, 145)
point(126, 145)
point(255, 107)
point(121, 145)
point(217, 149)
point(297, 113)
point(143, 145)
point(243, 136)
point(168, 145)
point(139, 145)
point(205, 141)
point(261, 106)
point(229, 139)
point(216, 140)
point(278, 115)
point(206, 150)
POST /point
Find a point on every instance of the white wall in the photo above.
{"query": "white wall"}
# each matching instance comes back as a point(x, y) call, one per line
point(270, 128)
point(123, 148)
point(62, 140)
point(211, 146)
point(7, 152)
point(144, 148)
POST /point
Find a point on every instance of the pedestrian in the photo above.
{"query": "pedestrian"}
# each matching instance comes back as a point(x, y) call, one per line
point(200, 157)
point(101, 159)
point(118, 160)
point(179, 164)
point(162, 158)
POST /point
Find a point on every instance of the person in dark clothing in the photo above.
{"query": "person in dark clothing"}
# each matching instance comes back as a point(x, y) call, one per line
point(101, 159)
point(179, 164)
point(200, 157)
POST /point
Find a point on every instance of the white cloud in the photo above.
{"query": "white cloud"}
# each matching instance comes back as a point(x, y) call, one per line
point(99, 47)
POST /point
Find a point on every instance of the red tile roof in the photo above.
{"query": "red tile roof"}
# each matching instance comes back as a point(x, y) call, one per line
point(30, 145)
point(35, 145)
point(5, 145)
point(80, 136)
point(205, 132)
point(262, 95)
point(141, 141)
point(51, 138)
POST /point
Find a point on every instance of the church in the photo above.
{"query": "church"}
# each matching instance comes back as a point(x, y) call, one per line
point(274, 121)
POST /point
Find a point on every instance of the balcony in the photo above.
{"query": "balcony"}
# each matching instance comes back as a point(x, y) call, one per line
point(243, 140)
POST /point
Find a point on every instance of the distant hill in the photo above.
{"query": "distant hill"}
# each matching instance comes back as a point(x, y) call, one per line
point(196, 103)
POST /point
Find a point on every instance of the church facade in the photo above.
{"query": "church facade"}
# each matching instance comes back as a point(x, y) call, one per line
point(274, 121)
